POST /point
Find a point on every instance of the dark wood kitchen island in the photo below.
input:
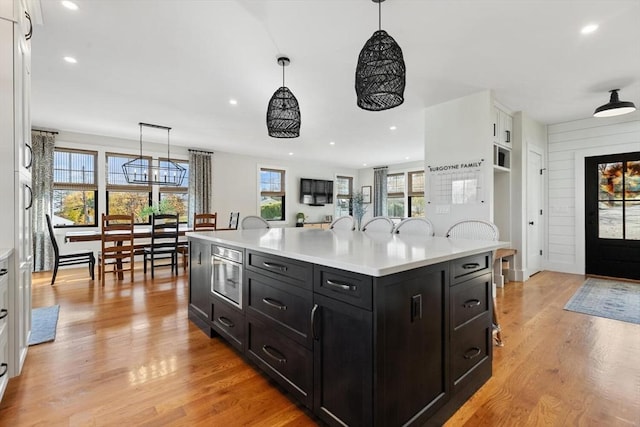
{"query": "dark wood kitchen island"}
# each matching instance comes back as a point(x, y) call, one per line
point(365, 329)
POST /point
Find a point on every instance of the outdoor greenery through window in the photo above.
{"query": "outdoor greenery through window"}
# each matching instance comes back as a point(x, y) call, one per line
point(122, 197)
point(75, 187)
point(175, 200)
point(272, 194)
point(395, 195)
point(344, 192)
point(416, 194)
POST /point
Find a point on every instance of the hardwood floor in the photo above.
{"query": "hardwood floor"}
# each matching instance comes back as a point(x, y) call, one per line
point(125, 354)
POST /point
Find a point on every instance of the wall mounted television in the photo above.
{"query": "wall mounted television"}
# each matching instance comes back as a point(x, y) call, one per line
point(316, 192)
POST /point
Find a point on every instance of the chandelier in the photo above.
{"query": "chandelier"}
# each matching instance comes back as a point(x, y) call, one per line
point(380, 73)
point(283, 112)
point(166, 173)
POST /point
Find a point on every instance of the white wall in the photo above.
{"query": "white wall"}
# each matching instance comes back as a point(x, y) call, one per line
point(569, 144)
point(459, 131)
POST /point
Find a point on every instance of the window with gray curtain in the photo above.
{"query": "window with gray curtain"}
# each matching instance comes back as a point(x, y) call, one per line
point(380, 191)
point(42, 180)
point(200, 183)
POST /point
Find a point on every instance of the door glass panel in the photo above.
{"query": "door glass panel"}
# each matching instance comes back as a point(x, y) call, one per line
point(632, 181)
point(610, 220)
point(610, 175)
point(632, 219)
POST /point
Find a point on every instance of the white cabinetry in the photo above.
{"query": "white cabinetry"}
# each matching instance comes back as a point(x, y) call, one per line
point(6, 280)
point(502, 164)
point(502, 131)
point(15, 175)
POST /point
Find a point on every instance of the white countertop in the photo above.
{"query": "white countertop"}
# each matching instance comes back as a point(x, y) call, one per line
point(374, 254)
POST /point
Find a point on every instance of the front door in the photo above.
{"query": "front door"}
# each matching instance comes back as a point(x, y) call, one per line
point(612, 209)
point(534, 212)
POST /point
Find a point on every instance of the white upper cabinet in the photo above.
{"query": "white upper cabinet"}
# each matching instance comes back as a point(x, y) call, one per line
point(502, 127)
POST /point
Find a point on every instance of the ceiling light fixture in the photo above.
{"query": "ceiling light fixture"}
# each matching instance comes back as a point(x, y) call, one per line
point(233, 102)
point(392, 127)
point(614, 107)
point(166, 173)
point(69, 5)
point(283, 112)
point(588, 29)
point(380, 73)
point(70, 60)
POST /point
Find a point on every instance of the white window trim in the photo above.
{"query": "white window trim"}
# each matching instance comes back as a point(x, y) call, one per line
point(287, 193)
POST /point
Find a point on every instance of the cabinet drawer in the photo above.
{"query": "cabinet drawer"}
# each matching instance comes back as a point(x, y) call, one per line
point(228, 322)
point(470, 299)
point(286, 361)
point(287, 306)
point(352, 288)
point(464, 268)
point(280, 268)
point(470, 346)
point(4, 303)
point(4, 361)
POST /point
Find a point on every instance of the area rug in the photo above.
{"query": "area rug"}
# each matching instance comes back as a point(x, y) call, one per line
point(44, 321)
point(607, 298)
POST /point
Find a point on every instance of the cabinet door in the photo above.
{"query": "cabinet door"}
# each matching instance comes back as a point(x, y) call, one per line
point(506, 126)
point(200, 278)
point(343, 363)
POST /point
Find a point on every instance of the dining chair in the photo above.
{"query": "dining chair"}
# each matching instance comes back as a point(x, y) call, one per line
point(378, 224)
point(252, 221)
point(164, 243)
point(417, 226)
point(345, 222)
point(477, 229)
point(234, 218)
point(201, 222)
point(71, 258)
point(117, 246)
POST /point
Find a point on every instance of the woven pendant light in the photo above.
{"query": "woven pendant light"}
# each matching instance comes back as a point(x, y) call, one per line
point(380, 73)
point(283, 112)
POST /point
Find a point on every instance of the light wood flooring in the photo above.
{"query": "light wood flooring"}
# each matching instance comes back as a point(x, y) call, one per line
point(126, 355)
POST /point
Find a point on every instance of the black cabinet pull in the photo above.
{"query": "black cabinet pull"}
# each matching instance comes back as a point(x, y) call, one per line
point(494, 129)
point(274, 354)
point(5, 368)
point(274, 266)
point(28, 165)
point(30, 197)
point(472, 353)
point(226, 322)
point(3, 271)
point(342, 286)
point(30, 32)
point(508, 135)
point(471, 303)
point(3, 313)
point(314, 310)
point(274, 303)
point(470, 265)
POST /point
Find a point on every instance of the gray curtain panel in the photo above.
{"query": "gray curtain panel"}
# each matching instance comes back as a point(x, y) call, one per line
point(200, 183)
point(380, 191)
point(42, 180)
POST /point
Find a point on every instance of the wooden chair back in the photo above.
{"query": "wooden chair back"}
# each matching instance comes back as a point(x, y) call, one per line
point(205, 221)
point(164, 243)
point(117, 245)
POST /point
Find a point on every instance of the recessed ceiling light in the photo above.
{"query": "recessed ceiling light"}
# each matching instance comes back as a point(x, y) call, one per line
point(588, 29)
point(69, 5)
point(332, 143)
point(364, 164)
point(291, 154)
point(233, 102)
point(407, 158)
point(70, 59)
point(392, 128)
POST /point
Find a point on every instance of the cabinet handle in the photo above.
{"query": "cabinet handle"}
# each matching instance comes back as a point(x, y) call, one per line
point(275, 266)
point(471, 303)
point(3, 271)
point(30, 33)
point(472, 353)
point(274, 303)
point(226, 322)
point(28, 165)
point(340, 285)
point(3, 313)
point(494, 129)
point(274, 354)
point(5, 368)
point(508, 135)
point(30, 197)
point(470, 265)
point(314, 310)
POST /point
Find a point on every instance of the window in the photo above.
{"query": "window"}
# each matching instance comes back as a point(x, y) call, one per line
point(176, 199)
point(272, 194)
point(344, 192)
point(395, 195)
point(75, 188)
point(122, 197)
point(416, 194)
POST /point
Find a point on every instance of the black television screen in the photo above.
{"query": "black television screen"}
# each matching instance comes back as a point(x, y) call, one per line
point(316, 192)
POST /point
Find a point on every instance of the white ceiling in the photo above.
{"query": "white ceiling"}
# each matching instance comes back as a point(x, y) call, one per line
point(178, 62)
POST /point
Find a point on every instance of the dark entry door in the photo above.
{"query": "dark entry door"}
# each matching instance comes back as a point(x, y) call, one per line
point(612, 209)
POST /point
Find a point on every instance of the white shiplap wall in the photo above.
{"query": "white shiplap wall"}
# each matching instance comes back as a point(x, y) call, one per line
point(569, 144)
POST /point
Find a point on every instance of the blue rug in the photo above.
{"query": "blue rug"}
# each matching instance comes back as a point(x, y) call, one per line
point(607, 298)
point(43, 324)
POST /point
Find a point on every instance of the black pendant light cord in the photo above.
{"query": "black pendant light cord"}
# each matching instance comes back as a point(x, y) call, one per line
point(283, 74)
point(379, 15)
